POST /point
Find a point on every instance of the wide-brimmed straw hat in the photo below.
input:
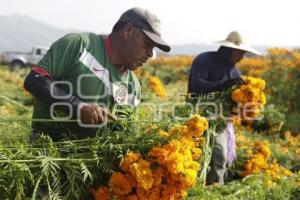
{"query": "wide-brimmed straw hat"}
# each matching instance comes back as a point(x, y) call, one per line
point(236, 40)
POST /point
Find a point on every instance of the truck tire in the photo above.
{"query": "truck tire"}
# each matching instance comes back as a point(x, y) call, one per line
point(15, 65)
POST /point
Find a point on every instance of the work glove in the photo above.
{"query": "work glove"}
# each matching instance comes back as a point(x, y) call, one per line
point(231, 82)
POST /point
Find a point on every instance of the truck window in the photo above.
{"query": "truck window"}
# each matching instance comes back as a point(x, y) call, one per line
point(38, 52)
point(41, 51)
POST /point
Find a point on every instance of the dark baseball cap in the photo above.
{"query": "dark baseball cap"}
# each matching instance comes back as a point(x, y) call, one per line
point(148, 23)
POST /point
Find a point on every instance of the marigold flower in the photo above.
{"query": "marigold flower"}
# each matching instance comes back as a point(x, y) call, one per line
point(121, 183)
point(128, 197)
point(196, 153)
point(255, 82)
point(251, 96)
point(190, 177)
point(197, 125)
point(157, 86)
point(276, 171)
point(128, 160)
point(141, 171)
point(102, 193)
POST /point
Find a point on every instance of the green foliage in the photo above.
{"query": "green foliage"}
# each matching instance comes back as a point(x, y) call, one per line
point(283, 89)
point(250, 188)
point(272, 120)
point(168, 73)
point(67, 169)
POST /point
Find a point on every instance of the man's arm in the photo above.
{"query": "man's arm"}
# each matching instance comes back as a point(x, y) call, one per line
point(206, 86)
point(200, 85)
point(40, 83)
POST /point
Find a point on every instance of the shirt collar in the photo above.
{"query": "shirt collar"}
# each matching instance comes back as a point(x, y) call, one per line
point(107, 46)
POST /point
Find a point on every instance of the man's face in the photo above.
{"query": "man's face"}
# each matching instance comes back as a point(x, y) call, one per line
point(237, 55)
point(138, 48)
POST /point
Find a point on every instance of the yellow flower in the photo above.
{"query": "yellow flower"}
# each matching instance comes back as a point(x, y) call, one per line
point(180, 130)
point(128, 160)
point(276, 171)
point(255, 82)
point(197, 125)
point(199, 141)
point(157, 86)
point(196, 152)
point(163, 133)
point(263, 148)
point(175, 163)
point(190, 177)
point(259, 157)
point(141, 171)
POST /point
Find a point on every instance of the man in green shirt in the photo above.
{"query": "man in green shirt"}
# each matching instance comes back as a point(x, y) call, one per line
point(83, 75)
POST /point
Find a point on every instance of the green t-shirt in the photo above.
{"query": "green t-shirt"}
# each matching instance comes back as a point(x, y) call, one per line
point(80, 66)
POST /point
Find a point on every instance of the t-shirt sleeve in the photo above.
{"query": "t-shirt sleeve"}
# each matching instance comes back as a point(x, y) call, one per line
point(62, 56)
point(235, 73)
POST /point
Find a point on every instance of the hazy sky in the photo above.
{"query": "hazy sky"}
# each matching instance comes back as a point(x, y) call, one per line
point(262, 22)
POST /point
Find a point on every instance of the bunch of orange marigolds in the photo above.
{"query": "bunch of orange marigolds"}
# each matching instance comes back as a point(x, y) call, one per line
point(251, 97)
point(157, 86)
point(166, 172)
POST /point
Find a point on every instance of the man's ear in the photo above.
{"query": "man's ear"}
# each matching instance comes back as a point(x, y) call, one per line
point(127, 30)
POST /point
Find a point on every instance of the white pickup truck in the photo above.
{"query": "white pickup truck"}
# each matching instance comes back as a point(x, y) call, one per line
point(17, 60)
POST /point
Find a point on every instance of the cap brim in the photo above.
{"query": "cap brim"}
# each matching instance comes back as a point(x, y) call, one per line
point(243, 47)
point(158, 41)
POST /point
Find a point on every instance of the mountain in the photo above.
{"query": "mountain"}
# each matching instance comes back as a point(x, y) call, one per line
point(194, 49)
point(21, 33)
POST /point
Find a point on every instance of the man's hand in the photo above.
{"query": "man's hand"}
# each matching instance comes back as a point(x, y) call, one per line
point(231, 82)
point(94, 114)
point(239, 81)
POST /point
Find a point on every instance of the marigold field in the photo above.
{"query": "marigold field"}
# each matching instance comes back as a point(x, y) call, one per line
point(162, 151)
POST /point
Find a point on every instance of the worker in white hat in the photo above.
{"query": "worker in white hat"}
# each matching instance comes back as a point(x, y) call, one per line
point(216, 71)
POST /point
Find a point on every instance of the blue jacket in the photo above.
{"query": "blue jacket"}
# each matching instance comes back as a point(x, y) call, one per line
point(210, 70)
